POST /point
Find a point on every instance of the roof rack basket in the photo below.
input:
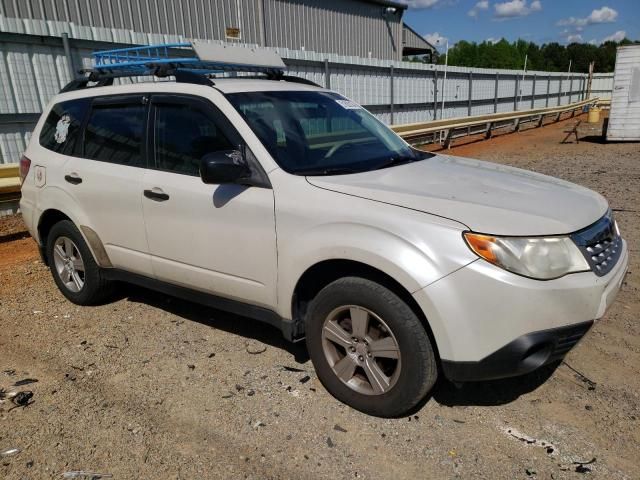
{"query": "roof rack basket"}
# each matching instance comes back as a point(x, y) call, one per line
point(188, 62)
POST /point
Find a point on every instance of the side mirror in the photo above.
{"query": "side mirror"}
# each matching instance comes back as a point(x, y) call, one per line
point(227, 166)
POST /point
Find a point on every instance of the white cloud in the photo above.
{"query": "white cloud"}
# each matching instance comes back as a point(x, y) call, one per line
point(604, 15)
point(493, 40)
point(615, 37)
point(421, 3)
point(574, 38)
point(601, 15)
point(516, 8)
point(479, 6)
point(436, 40)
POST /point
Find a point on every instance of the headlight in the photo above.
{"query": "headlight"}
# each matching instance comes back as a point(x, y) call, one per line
point(543, 258)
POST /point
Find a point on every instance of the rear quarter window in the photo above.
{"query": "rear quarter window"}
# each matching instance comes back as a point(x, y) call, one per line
point(62, 129)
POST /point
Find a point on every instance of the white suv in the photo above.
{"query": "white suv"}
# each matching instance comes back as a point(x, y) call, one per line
point(287, 203)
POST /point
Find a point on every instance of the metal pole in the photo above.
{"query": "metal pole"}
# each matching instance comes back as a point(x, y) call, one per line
point(495, 94)
point(515, 94)
point(435, 94)
point(533, 93)
point(524, 71)
point(327, 74)
point(470, 93)
point(568, 74)
point(444, 80)
point(590, 79)
point(571, 90)
point(548, 90)
point(391, 91)
point(67, 54)
point(560, 92)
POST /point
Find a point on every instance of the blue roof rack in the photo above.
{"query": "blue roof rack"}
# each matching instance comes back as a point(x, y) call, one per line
point(187, 62)
point(206, 58)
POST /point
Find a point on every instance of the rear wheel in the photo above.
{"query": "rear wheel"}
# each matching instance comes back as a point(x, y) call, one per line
point(369, 348)
point(73, 267)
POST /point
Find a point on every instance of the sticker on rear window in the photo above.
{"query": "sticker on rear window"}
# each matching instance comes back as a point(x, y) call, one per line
point(62, 128)
point(348, 104)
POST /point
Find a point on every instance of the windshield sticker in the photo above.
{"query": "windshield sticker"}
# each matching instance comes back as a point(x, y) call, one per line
point(62, 128)
point(348, 104)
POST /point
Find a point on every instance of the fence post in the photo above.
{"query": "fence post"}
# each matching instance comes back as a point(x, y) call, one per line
point(435, 94)
point(570, 89)
point(327, 74)
point(67, 53)
point(533, 93)
point(546, 104)
point(391, 91)
point(495, 94)
point(470, 93)
point(515, 98)
point(560, 92)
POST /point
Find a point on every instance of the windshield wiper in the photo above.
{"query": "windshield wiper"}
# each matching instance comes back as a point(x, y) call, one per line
point(327, 171)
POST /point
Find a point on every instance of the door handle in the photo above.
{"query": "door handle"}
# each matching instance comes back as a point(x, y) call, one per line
point(156, 194)
point(73, 178)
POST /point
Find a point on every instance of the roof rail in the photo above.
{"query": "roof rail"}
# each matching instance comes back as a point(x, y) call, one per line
point(188, 62)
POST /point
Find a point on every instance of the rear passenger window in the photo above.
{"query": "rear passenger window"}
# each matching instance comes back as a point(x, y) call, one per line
point(114, 134)
point(183, 135)
point(61, 130)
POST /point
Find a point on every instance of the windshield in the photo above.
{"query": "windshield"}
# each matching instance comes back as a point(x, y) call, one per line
point(321, 133)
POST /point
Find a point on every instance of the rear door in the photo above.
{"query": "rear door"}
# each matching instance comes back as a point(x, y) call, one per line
point(105, 178)
point(219, 239)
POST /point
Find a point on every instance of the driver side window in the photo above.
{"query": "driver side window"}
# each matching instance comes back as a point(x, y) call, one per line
point(183, 134)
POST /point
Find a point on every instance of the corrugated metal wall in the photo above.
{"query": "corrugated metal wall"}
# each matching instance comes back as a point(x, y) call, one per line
point(343, 27)
point(333, 26)
point(602, 85)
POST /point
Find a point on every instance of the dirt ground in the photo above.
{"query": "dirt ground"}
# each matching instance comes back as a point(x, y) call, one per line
point(152, 387)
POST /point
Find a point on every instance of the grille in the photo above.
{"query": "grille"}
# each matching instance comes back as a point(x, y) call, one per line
point(600, 244)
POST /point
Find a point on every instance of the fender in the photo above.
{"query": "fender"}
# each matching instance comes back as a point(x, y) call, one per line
point(55, 198)
point(409, 264)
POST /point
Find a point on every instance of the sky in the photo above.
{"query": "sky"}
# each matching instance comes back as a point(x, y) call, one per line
point(539, 21)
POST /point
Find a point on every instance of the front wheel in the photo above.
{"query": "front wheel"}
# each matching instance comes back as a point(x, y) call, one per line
point(369, 348)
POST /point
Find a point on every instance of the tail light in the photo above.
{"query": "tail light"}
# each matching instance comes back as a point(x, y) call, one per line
point(25, 165)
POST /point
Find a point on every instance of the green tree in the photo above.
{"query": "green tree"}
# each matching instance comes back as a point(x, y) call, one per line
point(552, 57)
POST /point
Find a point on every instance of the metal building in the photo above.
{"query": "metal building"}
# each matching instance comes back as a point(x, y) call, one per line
point(363, 28)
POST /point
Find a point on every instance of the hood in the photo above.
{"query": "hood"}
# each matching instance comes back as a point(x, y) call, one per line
point(486, 197)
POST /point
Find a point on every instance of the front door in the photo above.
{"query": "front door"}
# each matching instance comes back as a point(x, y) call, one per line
point(218, 239)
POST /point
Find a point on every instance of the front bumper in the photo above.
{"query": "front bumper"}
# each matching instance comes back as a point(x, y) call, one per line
point(522, 355)
point(489, 323)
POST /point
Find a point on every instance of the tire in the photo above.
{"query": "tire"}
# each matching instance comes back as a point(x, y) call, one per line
point(89, 287)
point(393, 329)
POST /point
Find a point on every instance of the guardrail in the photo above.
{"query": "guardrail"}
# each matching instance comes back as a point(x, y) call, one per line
point(462, 126)
point(9, 179)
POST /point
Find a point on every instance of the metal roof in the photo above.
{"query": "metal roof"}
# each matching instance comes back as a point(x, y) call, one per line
point(389, 3)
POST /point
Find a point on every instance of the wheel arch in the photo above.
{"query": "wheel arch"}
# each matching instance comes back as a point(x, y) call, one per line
point(322, 273)
point(52, 216)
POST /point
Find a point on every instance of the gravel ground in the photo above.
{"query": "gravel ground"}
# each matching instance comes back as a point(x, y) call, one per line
point(152, 387)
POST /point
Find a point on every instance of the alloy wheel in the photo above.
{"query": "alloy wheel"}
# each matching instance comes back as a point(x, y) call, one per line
point(361, 350)
point(69, 264)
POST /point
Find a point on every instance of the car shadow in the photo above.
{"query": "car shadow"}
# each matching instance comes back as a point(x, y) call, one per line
point(228, 322)
point(492, 392)
point(484, 393)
